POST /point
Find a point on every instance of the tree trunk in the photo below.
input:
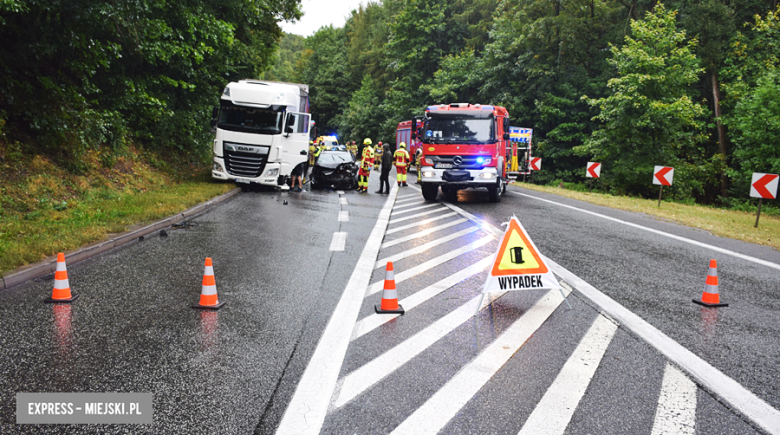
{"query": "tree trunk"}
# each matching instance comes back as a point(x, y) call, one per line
point(721, 130)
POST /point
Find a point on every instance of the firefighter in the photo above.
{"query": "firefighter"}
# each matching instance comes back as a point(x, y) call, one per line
point(378, 155)
point(401, 158)
point(353, 148)
point(316, 153)
point(418, 163)
point(366, 163)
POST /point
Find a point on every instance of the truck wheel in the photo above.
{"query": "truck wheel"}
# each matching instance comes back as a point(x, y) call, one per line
point(430, 192)
point(494, 193)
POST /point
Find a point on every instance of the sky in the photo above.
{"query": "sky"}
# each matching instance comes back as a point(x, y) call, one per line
point(318, 13)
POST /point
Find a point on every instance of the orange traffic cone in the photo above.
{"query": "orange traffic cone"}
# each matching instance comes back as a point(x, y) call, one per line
point(389, 295)
point(711, 297)
point(208, 292)
point(61, 291)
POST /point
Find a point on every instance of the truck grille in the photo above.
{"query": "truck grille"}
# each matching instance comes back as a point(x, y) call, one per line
point(245, 164)
point(467, 161)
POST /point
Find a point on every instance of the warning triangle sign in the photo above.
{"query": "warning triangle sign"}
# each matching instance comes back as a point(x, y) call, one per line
point(517, 264)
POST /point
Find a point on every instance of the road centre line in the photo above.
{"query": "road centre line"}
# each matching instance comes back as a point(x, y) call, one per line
point(380, 367)
point(340, 192)
point(439, 409)
point(423, 233)
point(415, 216)
point(309, 405)
point(554, 411)
point(344, 216)
point(343, 200)
point(671, 236)
point(676, 411)
point(373, 321)
point(339, 241)
point(741, 399)
point(418, 223)
point(413, 209)
point(425, 247)
point(430, 264)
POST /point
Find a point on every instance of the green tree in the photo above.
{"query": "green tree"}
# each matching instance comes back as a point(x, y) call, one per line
point(649, 117)
point(362, 119)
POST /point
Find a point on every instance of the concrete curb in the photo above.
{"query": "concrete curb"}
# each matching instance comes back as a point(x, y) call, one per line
point(48, 265)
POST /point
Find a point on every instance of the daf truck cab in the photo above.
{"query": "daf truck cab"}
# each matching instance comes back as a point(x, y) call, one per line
point(262, 132)
point(464, 146)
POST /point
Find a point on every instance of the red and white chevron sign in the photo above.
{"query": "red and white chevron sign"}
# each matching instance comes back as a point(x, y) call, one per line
point(764, 186)
point(536, 163)
point(593, 170)
point(663, 175)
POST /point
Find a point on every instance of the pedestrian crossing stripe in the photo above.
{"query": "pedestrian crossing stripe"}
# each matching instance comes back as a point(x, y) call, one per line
point(517, 264)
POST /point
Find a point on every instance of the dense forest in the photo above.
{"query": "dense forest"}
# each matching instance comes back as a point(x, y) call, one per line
point(692, 84)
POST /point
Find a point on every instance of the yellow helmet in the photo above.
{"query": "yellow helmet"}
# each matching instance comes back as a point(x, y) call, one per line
point(402, 145)
point(367, 141)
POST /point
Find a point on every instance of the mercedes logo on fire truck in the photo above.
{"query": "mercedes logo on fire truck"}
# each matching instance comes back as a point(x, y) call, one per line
point(457, 160)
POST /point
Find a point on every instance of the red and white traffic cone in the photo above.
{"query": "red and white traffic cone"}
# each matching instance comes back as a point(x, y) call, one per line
point(208, 292)
point(389, 295)
point(61, 290)
point(711, 297)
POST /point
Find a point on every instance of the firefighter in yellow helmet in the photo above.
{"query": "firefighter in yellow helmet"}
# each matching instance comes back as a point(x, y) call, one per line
point(401, 158)
point(377, 155)
point(366, 163)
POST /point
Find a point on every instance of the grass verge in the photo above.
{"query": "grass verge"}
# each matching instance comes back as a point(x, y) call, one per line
point(46, 210)
point(718, 221)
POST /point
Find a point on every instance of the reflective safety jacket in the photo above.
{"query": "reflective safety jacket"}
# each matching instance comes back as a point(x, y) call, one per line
point(368, 158)
point(401, 157)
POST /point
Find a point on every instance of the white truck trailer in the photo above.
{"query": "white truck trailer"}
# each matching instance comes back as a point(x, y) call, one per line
point(262, 132)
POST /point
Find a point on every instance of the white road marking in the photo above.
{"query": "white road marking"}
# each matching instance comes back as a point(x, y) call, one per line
point(413, 204)
point(407, 200)
point(340, 192)
point(373, 321)
point(422, 233)
point(430, 264)
point(553, 413)
point(671, 236)
point(343, 200)
point(415, 216)
point(338, 242)
point(434, 414)
point(676, 411)
point(418, 223)
point(383, 365)
point(396, 213)
point(344, 216)
point(710, 378)
point(309, 405)
point(425, 247)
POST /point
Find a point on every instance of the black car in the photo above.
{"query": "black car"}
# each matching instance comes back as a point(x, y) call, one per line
point(335, 169)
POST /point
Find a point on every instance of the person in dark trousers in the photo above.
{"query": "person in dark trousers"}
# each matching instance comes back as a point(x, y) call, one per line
point(387, 163)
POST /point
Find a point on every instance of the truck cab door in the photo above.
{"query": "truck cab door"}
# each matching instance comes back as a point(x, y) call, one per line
point(296, 143)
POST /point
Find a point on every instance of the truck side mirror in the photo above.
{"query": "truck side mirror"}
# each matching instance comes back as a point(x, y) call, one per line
point(215, 112)
point(213, 122)
point(506, 136)
point(414, 135)
point(288, 125)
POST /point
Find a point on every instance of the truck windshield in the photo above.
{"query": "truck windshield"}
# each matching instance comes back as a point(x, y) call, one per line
point(249, 119)
point(459, 129)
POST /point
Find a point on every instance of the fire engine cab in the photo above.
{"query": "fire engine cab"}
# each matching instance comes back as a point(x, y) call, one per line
point(464, 146)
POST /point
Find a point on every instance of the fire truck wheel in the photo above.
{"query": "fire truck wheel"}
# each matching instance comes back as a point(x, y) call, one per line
point(430, 192)
point(494, 193)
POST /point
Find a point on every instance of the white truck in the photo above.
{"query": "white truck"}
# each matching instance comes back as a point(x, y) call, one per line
point(262, 132)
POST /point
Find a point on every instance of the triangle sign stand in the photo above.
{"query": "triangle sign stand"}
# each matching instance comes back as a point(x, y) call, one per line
point(517, 265)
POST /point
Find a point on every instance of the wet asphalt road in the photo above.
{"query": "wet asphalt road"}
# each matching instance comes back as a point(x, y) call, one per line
point(133, 330)
point(235, 370)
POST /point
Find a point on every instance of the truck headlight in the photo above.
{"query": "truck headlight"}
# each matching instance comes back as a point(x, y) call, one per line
point(217, 167)
point(430, 174)
point(487, 175)
point(271, 172)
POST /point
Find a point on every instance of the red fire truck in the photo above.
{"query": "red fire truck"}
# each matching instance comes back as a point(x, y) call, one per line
point(464, 146)
point(404, 133)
